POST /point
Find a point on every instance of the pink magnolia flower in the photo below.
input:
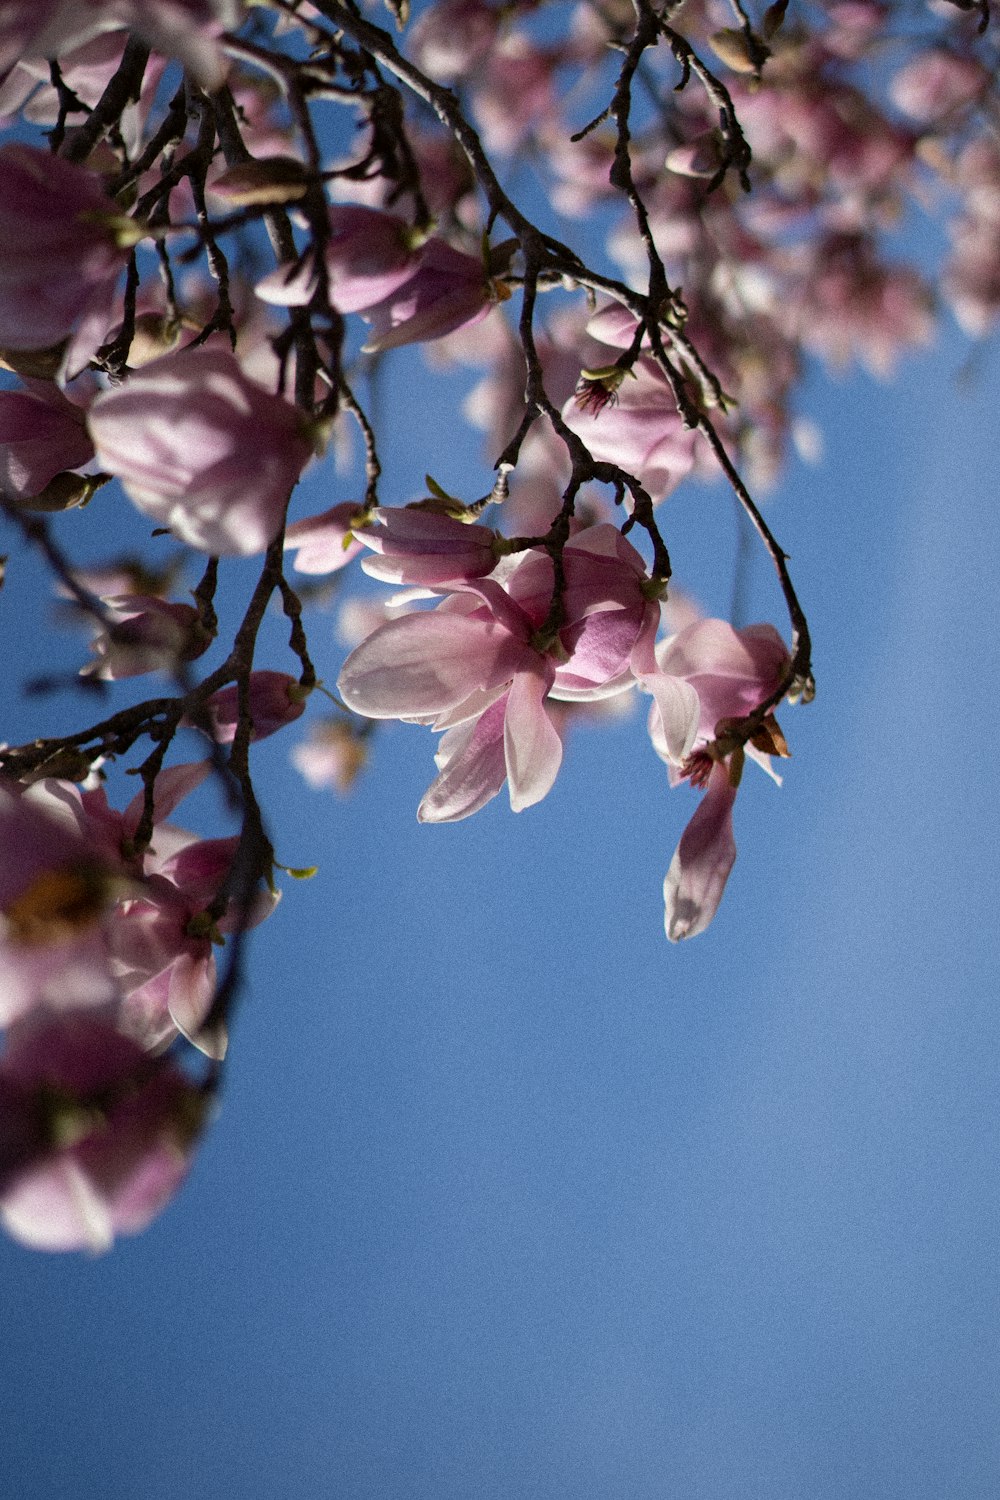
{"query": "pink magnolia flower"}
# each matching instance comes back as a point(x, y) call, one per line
point(203, 449)
point(95, 1136)
point(482, 665)
point(631, 419)
point(639, 428)
point(60, 255)
point(161, 938)
point(936, 83)
point(113, 833)
point(732, 672)
point(147, 634)
point(449, 40)
point(332, 755)
point(41, 434)
point(163, 941)
point(185, 29)
point(325, 543)
point(418, 545)
point(275, 699)
point(56, 894)
point(448, 290)
point(850, 304)
point(369, 255)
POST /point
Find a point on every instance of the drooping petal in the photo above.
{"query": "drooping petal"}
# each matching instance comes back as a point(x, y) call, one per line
point(472, 768)
point(702, 862)
point(532, 747)
point(324, 543)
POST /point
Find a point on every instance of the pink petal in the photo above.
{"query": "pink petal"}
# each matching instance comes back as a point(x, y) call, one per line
point(675, 716)
point(424, 664)
point(532, 747)
point(473, 768)
point(701, 865)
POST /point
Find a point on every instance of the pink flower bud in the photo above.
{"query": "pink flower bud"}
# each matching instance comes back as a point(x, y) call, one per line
point(417, 546)
point(324, 543)
point(275, 699)
point(203, 449)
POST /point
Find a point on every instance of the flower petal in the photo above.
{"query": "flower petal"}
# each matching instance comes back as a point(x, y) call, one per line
point(532, 747)
point(472, 766)
point(675, 715)
point(425, 664)
point(701, 865)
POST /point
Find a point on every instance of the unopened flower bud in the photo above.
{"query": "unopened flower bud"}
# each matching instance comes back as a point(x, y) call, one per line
point(271, 179)
point(738, 50)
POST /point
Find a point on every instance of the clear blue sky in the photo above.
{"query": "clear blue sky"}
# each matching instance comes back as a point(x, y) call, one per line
point(510, 1198)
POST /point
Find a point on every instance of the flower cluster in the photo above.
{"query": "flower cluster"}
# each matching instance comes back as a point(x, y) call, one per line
point(200, 279)
point(106, 957)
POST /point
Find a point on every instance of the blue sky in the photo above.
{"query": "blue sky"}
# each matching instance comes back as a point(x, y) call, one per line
point(510, 1198)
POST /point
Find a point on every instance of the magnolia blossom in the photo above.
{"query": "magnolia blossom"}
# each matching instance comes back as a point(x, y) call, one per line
point(482, 665)
point(636, 425)
point(164, 940)
point(274, 699)
point(417, 544)
point(60, 253)
point(325, 543)
point(202, 449)
point(186, 29)
point(160, 945)
point(95, 1136)
point(631, 418)
point(57, 890)
point(145, 633)
point(732, 673)
point(332, 755)
point(368, 256)
point(448, 290)
point(88, 920)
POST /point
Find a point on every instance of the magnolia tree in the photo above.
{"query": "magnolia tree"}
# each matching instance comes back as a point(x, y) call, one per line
point(217, 221)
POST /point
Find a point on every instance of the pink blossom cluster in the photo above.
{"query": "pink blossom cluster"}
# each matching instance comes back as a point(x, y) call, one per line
point(491, 663)
point(106, 957)
point(199, 285)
